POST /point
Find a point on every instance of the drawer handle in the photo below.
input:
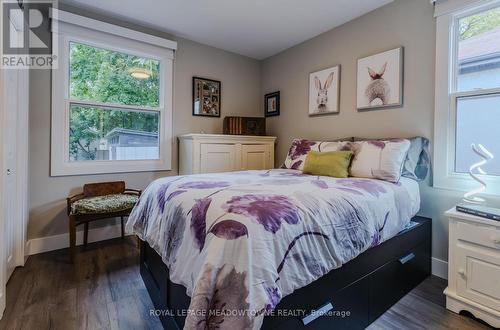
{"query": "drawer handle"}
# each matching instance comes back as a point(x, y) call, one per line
point(317, 313)
point(461, 272)
point(406, 258)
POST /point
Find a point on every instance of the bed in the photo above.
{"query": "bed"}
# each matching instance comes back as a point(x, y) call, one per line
point(279, 249)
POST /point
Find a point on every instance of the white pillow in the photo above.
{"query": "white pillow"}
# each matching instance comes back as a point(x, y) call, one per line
point(379, 159)
point(300, 147)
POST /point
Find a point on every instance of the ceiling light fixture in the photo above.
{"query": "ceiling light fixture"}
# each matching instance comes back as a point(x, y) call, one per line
point(140, 73)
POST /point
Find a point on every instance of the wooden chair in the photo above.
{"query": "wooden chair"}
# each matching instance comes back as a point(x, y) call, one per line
point(99, 201)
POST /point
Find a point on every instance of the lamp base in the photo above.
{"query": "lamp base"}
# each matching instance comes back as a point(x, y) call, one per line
point(474, 200)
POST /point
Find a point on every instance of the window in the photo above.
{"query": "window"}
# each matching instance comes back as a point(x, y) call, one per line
point(467, 94)
point(112, 98)
point(476, 97)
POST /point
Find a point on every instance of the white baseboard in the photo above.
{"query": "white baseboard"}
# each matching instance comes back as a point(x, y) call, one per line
point(439, 268)
point(56, 242)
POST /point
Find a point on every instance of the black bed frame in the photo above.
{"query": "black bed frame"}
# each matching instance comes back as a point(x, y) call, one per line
point(359, 291)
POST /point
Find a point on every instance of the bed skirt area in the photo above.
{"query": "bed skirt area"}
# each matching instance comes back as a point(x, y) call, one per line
point(350, 297)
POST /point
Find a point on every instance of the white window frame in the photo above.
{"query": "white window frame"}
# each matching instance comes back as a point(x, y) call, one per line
point(79, 29)
point(448, 13)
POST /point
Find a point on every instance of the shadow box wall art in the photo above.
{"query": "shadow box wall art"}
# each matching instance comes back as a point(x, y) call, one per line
point(272, 104)
point(207, 97)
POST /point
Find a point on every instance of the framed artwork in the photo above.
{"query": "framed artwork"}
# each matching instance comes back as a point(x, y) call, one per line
point(272, 104)
point(206, 97)
point(380, 80)
point(324, 89)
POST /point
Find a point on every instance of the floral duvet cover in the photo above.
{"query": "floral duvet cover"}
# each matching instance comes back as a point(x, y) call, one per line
point(241, 241)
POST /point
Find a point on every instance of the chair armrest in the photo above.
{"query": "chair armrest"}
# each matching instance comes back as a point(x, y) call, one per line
point(71, 199)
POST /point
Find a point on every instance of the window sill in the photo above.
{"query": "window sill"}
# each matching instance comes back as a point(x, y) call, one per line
point(109, 167)
point(463, 182)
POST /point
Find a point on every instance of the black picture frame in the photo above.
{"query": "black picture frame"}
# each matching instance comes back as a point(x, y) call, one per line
point(208, 94)
point(267, 97)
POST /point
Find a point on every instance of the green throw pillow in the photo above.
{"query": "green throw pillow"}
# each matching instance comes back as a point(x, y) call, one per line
point(333, 163)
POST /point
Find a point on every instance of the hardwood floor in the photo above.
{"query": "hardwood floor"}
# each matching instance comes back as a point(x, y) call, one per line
point(104, 290)
point(424, 308)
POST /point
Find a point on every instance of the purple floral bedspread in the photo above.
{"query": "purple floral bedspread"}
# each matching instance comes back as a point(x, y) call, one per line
point(240, 242)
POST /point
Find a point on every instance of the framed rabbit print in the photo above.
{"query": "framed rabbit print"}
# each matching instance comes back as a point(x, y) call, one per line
point(380, 80)
point(324, 88)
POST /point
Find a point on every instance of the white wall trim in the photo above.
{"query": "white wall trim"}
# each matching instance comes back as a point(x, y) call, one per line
point(444, 7)
point(22, 167)
point(439, 268)
point(50, 243)
point(2, 222)
point(56, 242)
point(66, 17)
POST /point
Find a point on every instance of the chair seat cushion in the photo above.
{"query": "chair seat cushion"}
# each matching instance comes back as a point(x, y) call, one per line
point(104, 204)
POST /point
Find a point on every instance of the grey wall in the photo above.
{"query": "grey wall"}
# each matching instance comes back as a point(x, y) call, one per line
point(240, 78)
point(408, 23)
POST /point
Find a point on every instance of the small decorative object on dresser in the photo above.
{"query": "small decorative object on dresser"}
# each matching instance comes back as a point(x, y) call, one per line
point(207, 97)
point(324, 89)
point(272, 104)
point(474, 266)
point(486, 156)
point(380, 80)
point(211, 153)
point(244, 126)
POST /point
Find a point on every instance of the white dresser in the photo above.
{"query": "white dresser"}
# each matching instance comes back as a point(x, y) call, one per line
point(211, 153)
point(474, 266)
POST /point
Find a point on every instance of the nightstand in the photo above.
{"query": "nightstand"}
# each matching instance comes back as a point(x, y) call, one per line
point(474, 266)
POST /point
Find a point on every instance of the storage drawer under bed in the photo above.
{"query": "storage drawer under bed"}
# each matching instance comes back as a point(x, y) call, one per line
point(398, 277)
point(362, 302)
point(365, 287)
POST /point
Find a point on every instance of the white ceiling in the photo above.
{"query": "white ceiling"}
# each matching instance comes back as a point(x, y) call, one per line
point(255, 28)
